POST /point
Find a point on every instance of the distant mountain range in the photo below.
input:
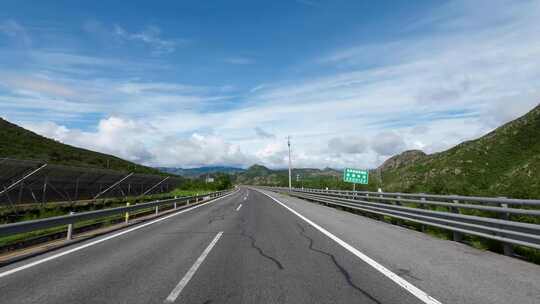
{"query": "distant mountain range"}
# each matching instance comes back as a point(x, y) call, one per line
point(196, 172)
point(504, 162)
point(261, 175)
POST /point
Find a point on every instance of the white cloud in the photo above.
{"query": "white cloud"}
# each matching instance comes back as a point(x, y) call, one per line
point(274, 154)
point(348, 145)
point(388, 143)
point(151, 36)
point(465, 81)
point(429, 91)
point(114, 135)
point(144, 142)
point(257, 88)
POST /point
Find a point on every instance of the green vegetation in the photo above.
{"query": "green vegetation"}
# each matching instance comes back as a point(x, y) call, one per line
point(96, 223)
point(197, 172)
point(309, 178)
point(222, 181)
point(14, 239)
point(24, 213)
point(505, 162)
point(19, 143)
point(9, 215)
point(179, 192)
point(26, 145)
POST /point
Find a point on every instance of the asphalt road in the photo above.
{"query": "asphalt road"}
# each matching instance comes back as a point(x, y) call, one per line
point(243, 248)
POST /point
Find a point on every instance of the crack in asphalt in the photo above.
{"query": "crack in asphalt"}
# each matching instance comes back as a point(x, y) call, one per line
point(188, 232)
point(407, 273)
point(341, 268)
point(219, 217)
point(261, 252)
point(216, 218)
point(243, 233)
point(227, 298)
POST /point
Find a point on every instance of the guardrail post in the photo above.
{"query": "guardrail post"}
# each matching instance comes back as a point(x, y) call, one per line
point(381, 217)
point(508, 249)
point(126, 215)
point(423, 206)
point(456, 236)
point(174, 205)
point(157, 209)
point(70, 229)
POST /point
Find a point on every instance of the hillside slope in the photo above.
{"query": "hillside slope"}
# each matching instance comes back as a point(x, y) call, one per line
point(196, 172)
point(260, 175)
point(505, 162)
point(19, 143)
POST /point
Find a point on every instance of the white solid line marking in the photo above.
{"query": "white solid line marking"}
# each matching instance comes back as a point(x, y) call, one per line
point(52, 257)
point(185, 280)
point(420, 294)
point(239, 206)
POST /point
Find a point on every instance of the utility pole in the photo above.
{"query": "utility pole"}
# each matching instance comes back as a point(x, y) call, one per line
point(289, 144)
point(379, 172)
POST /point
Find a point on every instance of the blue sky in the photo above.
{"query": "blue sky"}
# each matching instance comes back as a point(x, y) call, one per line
point(191, 83)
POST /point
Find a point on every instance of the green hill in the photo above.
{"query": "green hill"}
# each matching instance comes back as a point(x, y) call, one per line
point(196, 172)
point(260, 175)
point(19, 143)
point(505, 162)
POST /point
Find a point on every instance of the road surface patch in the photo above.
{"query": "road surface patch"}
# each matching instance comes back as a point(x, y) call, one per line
point(418, 293)
point(53, 257)
point(187, 277)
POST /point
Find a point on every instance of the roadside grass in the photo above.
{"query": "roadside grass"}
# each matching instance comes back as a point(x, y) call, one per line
point(100, 223)
point(531, 254)
point(179, 192)
point(26, 213)
point(10, 215)
point(526, 253)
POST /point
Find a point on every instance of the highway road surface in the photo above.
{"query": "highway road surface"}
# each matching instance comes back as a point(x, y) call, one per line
point(260, 247)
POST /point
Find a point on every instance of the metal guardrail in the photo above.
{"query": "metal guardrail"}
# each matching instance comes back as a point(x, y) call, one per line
point(33, 225)
point(441, 211)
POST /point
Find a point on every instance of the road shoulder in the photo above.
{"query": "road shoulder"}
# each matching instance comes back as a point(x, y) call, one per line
point(450, 271)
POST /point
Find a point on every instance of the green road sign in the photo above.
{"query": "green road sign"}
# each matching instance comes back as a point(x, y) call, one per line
point(355, 176)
